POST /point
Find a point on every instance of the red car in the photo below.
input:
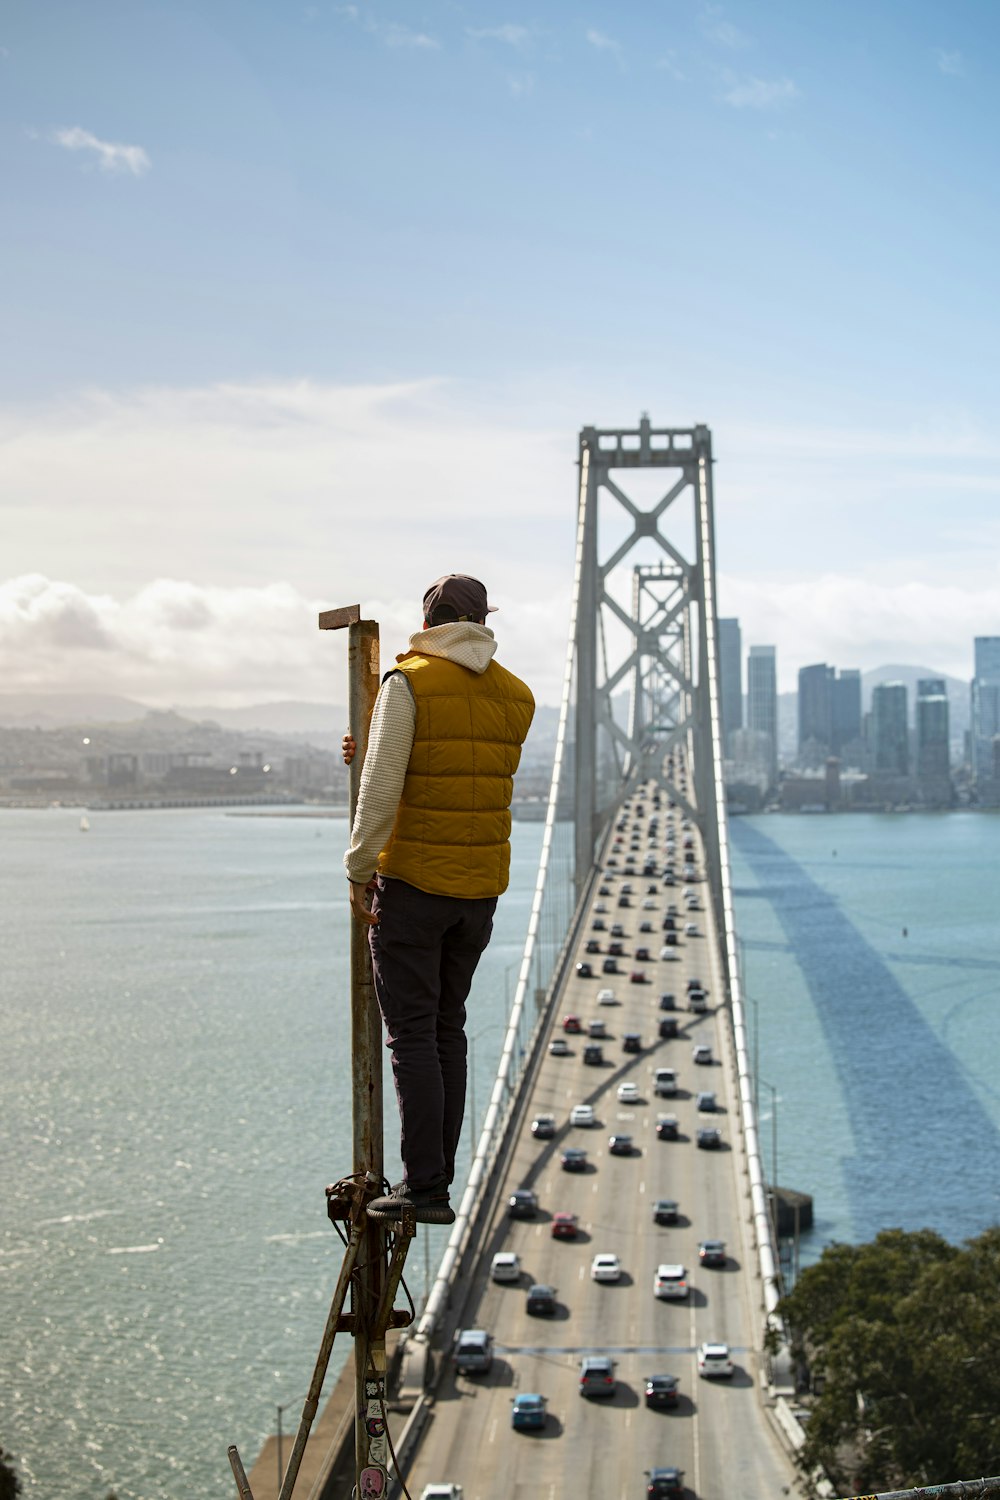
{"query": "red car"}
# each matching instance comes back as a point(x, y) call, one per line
point(572, 1024)
point(564, 1226)
point(637, 977)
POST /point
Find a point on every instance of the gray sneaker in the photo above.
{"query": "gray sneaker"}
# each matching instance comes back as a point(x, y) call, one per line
point(429, 1205)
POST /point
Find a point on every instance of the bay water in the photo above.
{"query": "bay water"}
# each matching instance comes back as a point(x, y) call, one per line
point(174, 994)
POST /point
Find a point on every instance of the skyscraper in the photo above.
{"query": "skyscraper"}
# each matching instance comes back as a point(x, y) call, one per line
point(985, 703)
point(730, 677)
point(815, 711)
point(933, 759)
point(762, 699)
point(845, 710)
point(890, 735)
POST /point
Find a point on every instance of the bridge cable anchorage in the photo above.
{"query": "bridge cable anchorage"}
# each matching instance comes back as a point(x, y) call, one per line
point(375, 1250)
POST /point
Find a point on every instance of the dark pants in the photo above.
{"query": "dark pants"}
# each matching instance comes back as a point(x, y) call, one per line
point(424, 953)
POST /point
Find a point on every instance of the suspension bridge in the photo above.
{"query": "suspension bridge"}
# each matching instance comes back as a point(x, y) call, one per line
point(632, 938)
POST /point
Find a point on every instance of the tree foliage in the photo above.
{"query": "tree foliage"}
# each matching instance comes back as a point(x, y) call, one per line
point(10, 1480)
point(905, 1333)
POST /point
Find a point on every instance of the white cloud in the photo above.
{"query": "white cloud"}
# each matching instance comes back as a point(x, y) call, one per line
point(395, 35)
point(111, 156)
point(343, 494)
point(952, 63)
point(719, 30)
point(520, 84)
point(514, 36)
point(237, 511)
point(760, 93)
point(668, 64)
point(603, 43)
point(859, 622)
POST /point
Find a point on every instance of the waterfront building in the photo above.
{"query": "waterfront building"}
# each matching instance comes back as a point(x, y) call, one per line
point(815, 713)
point(985, 704)
point(845, 710)
point(730, 678)
point(762, 701)
point(890, 749)
point(933, 756)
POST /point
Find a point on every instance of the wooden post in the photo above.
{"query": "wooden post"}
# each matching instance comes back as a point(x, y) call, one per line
point(371, 1452)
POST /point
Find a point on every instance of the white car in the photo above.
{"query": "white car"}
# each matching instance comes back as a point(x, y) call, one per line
point(668, 954)
point(702, 1053)
point(714, 1361)
point(670, 1283)
point(690, 929)
point(665, 1082)
point(606, 997)
point(605, 1268)
point(582, 1114)
point(628, 1093)
point(505, 1266)
point(559, 1047)
point(441, 1492)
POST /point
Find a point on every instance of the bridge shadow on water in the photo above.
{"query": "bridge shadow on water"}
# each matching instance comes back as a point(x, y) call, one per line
point(925, 1149)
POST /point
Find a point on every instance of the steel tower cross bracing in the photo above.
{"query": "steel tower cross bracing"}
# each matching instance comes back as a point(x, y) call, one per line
point(670, 662)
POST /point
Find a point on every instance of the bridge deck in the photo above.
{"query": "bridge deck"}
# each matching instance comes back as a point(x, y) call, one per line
point(719, 1433)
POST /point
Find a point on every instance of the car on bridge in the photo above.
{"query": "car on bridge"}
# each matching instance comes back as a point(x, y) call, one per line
point(582, 1114)
point(598, 925)
point(593, 1055)
point(642, 956)
point(584, 971)
point(616, 949)
point(441, 1492)
point(706, 1102)
point(605, 1267)
point(610, 966)
point(543, 1127)
point(522, 1204)
point(665, 1484)
point(670, 1283)
point(592, 946)
point(702, 1054)
point(473, 1351)
point(665, 1210)
point(597, 1029)
point(541, 1301)
point(628, 1093)
point(597, 1375)
point(665, 1082)
point(631, 1042)
point(558, 1047)
point(527, 1412)
point(565, 1226)
point(646, 927)
point(667, 1027)
point(714, 1361)
point(668, 1001)
point(661, 1391)
point(708, 1138)
point(712, 1253)
point(638, 976)
point(572, 1024)
point(621, 1145)
point(606, 997)
point(667, 1128)
point(573, 1159)
point(505, 1266)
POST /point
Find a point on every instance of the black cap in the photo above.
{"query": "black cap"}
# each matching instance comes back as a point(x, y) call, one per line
point(456, 596)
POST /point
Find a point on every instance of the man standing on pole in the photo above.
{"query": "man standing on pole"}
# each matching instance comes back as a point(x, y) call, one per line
point(431, 843)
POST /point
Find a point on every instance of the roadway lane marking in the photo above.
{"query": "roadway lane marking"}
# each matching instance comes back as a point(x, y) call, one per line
point(696, 1435)
point(491, 1435)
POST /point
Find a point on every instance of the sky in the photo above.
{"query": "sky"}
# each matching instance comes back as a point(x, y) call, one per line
point(306, 304)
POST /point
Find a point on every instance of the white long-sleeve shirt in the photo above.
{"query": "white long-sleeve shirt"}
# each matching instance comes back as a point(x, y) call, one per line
point(390, 740)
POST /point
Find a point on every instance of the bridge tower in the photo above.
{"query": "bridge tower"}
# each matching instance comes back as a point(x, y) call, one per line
point(660, 645)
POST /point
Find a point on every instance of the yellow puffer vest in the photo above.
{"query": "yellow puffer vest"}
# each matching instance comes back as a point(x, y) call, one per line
point(452, 830)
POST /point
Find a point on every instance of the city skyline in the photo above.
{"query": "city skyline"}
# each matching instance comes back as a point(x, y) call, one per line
point(332, 328)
